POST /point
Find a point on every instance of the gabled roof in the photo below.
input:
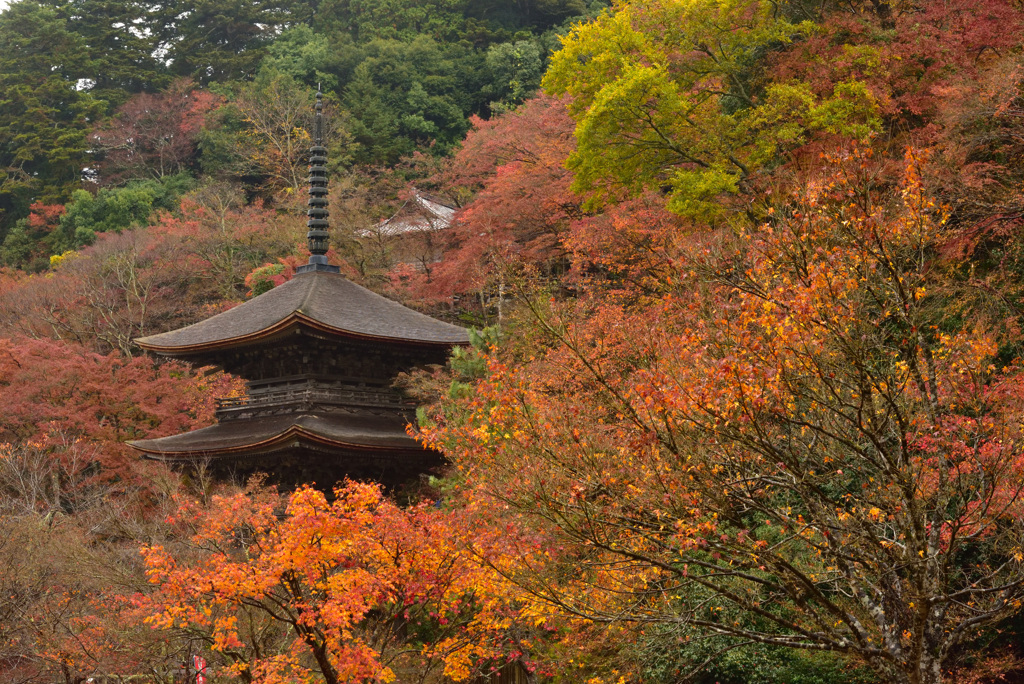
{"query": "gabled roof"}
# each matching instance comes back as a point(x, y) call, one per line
point(326, 302)
point(420, 213)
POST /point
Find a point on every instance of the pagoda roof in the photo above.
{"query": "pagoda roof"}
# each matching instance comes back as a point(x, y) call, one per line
point(327, 302)
point(354, 431)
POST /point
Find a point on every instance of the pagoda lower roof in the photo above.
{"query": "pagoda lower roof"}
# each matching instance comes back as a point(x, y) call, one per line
point(265, 434)
point(327, 302)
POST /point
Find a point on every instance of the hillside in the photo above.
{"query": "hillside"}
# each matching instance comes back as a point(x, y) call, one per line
point(744, 402)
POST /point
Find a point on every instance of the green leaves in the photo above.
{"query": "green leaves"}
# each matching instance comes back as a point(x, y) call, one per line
point(113, 210)
point(406, 95)
point(666, 95)
point(517, 69)
point(218, 40)
point(44, 116)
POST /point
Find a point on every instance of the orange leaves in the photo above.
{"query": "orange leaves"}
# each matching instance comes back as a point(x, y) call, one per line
point(356, 588)
point(786, 425)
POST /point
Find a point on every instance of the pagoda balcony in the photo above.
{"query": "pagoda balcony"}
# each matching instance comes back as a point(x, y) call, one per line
point(306, 398)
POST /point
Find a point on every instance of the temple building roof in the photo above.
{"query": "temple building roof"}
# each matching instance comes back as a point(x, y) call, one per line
point(271, 433)
point(320, 355)
point(418, 214)
point(325, 301)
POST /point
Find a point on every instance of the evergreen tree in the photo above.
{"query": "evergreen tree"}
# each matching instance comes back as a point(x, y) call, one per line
point(45, 113)
point(122, 44)
point(220, 40)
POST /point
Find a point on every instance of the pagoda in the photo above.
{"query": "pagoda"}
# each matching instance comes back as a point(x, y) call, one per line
point(320, 355)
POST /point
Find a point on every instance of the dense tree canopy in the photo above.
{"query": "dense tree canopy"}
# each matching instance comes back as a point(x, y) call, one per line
point(91, 92)
point(745, 401)
point(45, 118)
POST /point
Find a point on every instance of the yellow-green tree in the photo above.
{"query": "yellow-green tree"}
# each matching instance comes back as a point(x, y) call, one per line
point(669, 94)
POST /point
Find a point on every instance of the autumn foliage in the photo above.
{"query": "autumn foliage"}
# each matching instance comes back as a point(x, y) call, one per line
point(795, 436)
point(153, 135)
point(348, 590)
point(750, 409)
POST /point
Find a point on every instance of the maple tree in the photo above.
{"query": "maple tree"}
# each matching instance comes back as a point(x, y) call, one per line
point(745, 396)
point(61, 619)
point(790, 429)
point(73, 498)
point(104, 296)
point(909, 56)
point(343, 590)
point(224, 242)
point(153, 135)
point(979, 177)
point(70, 582)
point(147, 280)
point(60, 393)
point(518, 205)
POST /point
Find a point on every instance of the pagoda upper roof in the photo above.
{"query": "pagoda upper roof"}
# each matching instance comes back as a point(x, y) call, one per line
point(362, 432)
point(327, 302)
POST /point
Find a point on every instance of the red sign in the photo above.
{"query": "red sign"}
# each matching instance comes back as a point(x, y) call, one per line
point(199, 663)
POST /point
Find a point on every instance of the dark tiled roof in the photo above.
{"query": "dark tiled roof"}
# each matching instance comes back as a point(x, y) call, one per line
point(326, 301)
point(358, 431)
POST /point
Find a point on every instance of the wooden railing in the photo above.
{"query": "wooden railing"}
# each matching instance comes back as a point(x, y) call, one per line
point(311, 395)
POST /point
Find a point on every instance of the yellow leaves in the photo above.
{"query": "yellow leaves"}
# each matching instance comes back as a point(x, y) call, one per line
point(645, 82)
point(57, 259)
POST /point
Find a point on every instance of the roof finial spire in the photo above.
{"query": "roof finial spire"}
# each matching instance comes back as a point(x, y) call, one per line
point(317, 236)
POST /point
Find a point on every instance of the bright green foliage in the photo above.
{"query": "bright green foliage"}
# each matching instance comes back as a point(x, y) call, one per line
point(113, 210)
point(665, 95)
point(53, 230)
point(43, 117)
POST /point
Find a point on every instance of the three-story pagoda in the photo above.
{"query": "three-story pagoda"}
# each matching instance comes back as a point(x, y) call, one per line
point(319, 355)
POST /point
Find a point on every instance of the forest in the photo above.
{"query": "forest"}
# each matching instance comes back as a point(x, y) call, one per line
point(744, 402)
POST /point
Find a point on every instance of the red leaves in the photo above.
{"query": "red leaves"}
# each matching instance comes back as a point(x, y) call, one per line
point(908, 65)
point(515, 163)
point(153, 135)
point(150, 279)
point(57, 393)
point(44, 215)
